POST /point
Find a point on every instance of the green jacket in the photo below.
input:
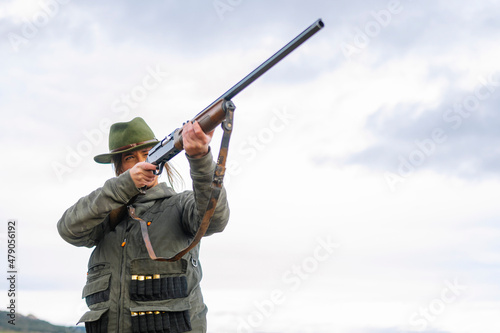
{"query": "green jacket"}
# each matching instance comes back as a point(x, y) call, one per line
point(127, 291)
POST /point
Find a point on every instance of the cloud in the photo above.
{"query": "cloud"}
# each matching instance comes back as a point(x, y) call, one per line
point(439, 99)
point(459, 137)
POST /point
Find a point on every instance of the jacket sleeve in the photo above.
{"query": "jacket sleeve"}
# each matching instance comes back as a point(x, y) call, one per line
point(201, 171)
point(82, 224)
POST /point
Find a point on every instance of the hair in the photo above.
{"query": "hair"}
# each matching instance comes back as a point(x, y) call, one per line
point(172, 174)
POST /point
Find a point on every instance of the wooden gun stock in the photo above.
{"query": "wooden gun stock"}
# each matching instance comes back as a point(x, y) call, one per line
point(209, 119)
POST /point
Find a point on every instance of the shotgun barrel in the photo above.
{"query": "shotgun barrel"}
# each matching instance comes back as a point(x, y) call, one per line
point(215, 113)
point(265, 66)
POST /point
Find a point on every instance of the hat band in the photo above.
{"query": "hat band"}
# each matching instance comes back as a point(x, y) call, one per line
point(132, 145)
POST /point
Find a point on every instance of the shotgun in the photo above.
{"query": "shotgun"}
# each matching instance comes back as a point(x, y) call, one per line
point(215, 113)
point(220, 111)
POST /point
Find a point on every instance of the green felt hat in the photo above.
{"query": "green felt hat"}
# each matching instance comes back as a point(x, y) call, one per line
point(126, 137)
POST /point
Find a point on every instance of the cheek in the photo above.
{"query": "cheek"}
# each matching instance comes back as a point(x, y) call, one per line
point(127, 165)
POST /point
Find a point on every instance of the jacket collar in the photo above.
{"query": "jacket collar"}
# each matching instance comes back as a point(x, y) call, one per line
point(160, 191)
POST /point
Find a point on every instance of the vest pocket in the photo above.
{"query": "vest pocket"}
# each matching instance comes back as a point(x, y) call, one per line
point(96, 321)
point(158, 280)
point(160, 320)
point(159, 296)
point(97, 290)
point(155, 288)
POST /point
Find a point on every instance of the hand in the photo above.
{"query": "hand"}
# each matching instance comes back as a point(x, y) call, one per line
point(142, 175)
point(195, 141)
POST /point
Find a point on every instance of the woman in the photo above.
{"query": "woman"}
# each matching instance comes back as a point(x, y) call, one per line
point(126, 290)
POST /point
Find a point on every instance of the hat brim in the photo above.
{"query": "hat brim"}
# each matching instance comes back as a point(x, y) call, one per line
point(106, 158)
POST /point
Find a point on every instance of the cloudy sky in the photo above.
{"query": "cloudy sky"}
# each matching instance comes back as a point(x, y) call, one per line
point(363, 167)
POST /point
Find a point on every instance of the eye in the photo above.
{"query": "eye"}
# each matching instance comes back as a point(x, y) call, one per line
point(129, 157)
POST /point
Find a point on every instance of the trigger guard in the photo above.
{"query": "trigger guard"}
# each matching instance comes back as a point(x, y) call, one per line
point(159, 169)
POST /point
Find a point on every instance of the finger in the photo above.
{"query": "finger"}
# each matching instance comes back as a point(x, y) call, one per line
point(186, 137)
point(188, 127)
point(146, 166)
point(198, 131)
point(147, 179)
point(187, 131)
point(189, 134)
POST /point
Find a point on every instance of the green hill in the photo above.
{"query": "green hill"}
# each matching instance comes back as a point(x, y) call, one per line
point(33, 325)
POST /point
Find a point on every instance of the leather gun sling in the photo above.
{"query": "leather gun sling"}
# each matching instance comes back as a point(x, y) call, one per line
point(220, 168)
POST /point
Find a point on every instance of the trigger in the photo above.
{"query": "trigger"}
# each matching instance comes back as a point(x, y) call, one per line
point(159, 169)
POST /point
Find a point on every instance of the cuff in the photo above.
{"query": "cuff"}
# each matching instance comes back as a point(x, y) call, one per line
point(201, 166)
point(124, 187)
